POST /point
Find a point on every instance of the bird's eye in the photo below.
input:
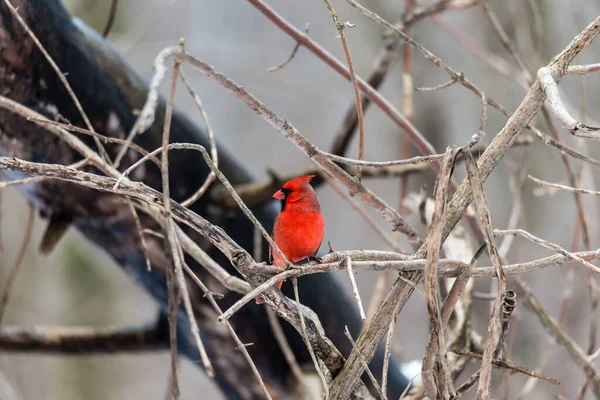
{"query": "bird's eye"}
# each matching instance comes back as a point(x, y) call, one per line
point(286, 191)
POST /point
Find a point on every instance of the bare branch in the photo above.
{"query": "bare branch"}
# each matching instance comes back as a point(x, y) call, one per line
point(548, 245)
point(437, 343)
point(366, 366)
point(304, 332)
point(583, 69)
point(293, 54)
point(170, 244)
point(574, 351)
point(509, 366)
point(214, 154)
point(475, 181)
point(348, 263)
point(81, 340)
point(550, 88)
point(359, 105)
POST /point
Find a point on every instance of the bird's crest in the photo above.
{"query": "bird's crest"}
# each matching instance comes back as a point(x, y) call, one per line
point(303, 179)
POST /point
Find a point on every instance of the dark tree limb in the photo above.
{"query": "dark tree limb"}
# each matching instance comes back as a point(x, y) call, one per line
point(82, 340)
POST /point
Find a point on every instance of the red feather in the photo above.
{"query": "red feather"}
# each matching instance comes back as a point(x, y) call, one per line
point(299, 227)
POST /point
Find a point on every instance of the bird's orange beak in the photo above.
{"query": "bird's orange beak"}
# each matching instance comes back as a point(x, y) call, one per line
point(279, 195)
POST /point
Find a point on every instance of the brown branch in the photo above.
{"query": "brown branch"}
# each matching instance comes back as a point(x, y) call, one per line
point(292, 55)
point(284, 345)
point(304, 333)
point(73, 340)
point(368, 342)
point(348, 263)
point(171, 247)
point(548, 245)
point(148, 111)
point(359, 105)
point(366, 366)
point(111, 17)
point(549, 85)
point(575, 352)
point(476, 183)
point(509, 366)
point(437, 344)
point(211, 140)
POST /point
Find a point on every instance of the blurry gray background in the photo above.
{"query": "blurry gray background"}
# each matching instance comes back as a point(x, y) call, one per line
point(79, 285)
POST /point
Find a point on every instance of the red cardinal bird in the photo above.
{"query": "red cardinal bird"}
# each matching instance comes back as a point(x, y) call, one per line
point(299, 227)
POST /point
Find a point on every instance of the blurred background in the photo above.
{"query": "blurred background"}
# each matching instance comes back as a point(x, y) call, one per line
point(78, 285)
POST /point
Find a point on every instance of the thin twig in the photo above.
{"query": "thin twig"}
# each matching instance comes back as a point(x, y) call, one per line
point(171, 235)
point(388, 350)
point(563, 187)
point(138, 226)
point(503, 36)
point(437, 344)
point(35, 179)
point(583, 69)
point(407, 108)
point(438, 87)
point(307, 341)
point(240, 346)
point(361, 127)
point(475, 181)
point(102, 138)
point(366, 366)
point(550, 88)
point(575, 352)
point(148, 111)
point(282, 341)
point(293, 54)
point(509, 366)
point(562, 313)
point(348, 264)
point(211, 141)
point(111, 18)
point(170, 240)
point(548, 245)
point(81, 340)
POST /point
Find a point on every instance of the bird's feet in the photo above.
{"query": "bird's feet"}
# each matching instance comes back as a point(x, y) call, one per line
point(311, 260)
